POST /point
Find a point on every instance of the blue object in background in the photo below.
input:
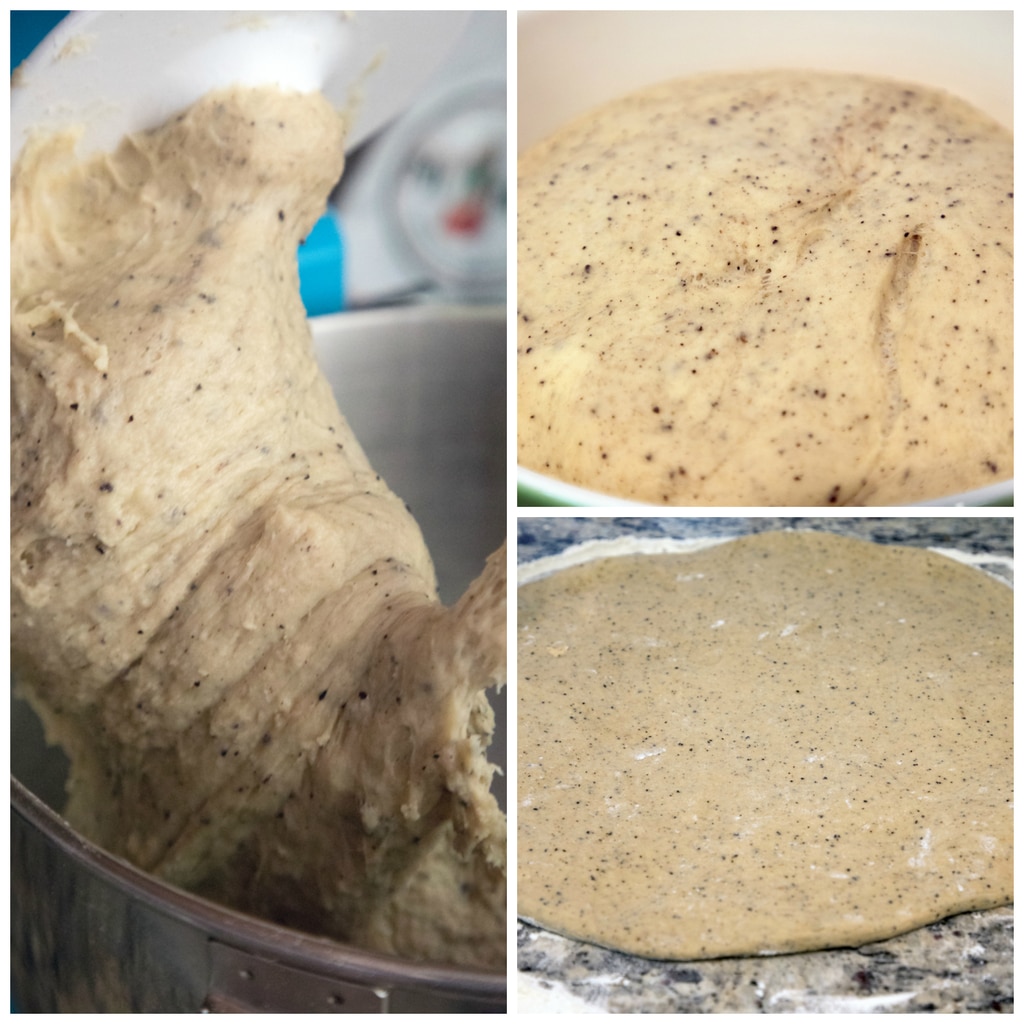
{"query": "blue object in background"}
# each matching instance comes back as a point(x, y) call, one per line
point(321, 264)
point(320, 256)
point(28, 28)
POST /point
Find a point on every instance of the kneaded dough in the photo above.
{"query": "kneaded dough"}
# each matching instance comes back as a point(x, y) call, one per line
point(781, 743)
point(220, 611)
point(769, 288)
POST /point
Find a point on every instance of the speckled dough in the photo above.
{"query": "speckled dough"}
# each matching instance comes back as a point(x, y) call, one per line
point(782, 743)
point(775, 288)
point(219, 609)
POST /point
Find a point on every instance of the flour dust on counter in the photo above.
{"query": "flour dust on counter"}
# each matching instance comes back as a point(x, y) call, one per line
point(963, 964)
point(785, 742)
point(219, 609)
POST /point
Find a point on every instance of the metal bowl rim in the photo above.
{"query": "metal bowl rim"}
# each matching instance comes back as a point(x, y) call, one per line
point(319, 956)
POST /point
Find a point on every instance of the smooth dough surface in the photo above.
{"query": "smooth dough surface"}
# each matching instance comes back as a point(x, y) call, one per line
point(785, 742)
point(769, 288)
point(218, 608)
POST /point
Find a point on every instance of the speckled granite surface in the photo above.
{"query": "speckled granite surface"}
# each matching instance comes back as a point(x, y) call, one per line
point(548, 535)
point(961, 965)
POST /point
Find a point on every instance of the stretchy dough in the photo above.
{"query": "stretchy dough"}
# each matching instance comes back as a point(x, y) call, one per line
point(776, 288)
point(219, 609)
point(781, 743)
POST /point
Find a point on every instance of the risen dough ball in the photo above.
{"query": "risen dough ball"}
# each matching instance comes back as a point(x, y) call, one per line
point(769, 288)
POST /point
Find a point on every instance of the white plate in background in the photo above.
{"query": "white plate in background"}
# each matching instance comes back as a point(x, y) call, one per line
point(113, 72)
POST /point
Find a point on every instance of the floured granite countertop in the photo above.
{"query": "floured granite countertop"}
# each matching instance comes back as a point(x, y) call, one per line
point(961, 965)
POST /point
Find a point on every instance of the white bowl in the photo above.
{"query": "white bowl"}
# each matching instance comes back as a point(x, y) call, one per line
point(571, 62)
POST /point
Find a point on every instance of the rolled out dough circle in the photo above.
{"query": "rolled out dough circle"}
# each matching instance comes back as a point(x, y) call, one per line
point(787, 742)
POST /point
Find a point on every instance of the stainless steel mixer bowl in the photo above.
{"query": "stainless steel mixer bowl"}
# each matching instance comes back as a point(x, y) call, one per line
point(424, 389)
